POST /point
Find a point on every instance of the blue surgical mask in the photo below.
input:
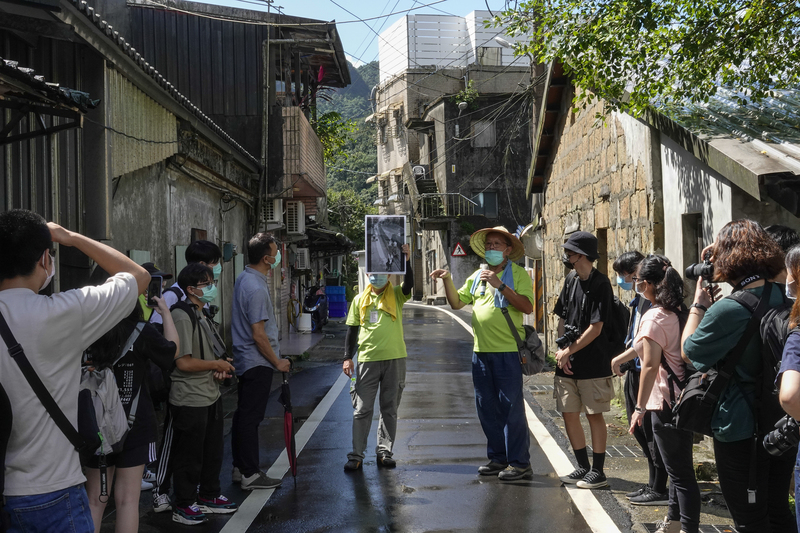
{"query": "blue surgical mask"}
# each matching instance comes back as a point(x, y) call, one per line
point(378, 280)
point(209, 294)
point(494, 257)
point(277, 260)
point(217, 270)
point(624, 285)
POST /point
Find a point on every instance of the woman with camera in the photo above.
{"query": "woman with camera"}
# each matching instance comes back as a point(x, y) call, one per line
point(789, 375)
point(658, 347)
point(754, 483)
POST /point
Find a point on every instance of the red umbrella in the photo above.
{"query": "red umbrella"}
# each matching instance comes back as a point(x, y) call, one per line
point(288, 422)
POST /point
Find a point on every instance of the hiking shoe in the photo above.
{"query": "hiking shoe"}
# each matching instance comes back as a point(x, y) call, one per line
point(189, 516)
point(236, 475)
point(491, 469)
point(161, 503)
point(668, 526)
point(512, 473)
point(146, 485)
point(576, 475)
point(593, 480)
point(149, 476)
point(386, 461)
point(218, 505)
point(639, 492)
point(352, 465)
point(259, 480)
point(650, 497)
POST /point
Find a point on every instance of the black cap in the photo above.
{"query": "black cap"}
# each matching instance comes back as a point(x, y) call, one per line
point(154, 271)
point(582, 242)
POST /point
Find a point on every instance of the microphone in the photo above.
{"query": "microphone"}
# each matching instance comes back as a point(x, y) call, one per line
point(484, 266)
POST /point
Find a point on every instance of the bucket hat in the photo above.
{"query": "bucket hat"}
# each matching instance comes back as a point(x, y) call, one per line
point(477, 242)
point(582, 242)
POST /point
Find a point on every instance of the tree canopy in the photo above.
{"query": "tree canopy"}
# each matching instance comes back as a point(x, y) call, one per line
point(641, 53)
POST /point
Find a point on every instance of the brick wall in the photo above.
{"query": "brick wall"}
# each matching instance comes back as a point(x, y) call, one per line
point(602, 179)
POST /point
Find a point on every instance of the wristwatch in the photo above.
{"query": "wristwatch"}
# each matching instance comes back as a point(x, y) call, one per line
point(502, 287)
point(699, 306)
point(639, 410)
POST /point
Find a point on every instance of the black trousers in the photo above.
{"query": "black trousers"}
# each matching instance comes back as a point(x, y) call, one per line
point(675, 446)
point(770, 513)
point(196, 451)
point(644, 435)
point(254, 388)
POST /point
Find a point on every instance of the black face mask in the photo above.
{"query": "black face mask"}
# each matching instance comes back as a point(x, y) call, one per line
point(565, 260)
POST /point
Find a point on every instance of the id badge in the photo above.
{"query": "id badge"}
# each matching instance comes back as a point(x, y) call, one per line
point(373, 316)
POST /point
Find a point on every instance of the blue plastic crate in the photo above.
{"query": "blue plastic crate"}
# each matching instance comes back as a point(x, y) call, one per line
point(337, 309)
point(337, 298)
point(334, 289)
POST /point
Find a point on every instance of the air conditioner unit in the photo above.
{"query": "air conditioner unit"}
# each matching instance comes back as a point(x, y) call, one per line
point(303, 259)
point(295, 218)
point(273, 211)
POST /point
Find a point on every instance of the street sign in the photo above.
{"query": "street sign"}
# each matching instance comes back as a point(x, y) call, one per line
point(458, 251)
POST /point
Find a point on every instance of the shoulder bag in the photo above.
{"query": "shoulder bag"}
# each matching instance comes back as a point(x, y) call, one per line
point(531, 351)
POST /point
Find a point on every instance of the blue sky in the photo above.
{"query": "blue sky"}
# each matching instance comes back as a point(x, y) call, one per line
point(359, 41)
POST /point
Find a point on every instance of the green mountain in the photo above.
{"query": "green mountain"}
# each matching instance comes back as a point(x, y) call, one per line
point(360, 155)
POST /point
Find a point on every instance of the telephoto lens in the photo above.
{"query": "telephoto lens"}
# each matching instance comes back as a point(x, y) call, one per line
point(783, 438)
point(705, 269)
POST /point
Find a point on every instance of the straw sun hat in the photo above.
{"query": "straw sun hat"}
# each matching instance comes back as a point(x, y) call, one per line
point(477, 242)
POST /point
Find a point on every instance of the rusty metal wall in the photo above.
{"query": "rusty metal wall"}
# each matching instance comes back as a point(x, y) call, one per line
point(143, 132)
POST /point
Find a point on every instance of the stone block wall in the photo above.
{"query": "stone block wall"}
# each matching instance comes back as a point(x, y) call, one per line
point(603, 178)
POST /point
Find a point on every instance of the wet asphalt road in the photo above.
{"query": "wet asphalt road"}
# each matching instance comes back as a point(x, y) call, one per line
point(439, 446)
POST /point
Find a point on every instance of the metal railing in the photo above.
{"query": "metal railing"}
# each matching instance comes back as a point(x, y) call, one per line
point(434, 205)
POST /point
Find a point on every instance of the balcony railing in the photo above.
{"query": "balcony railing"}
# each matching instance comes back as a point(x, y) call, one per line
point(445, 205)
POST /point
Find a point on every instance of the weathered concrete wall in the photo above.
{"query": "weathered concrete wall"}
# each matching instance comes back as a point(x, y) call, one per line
point(604, 179)
point(155, 209)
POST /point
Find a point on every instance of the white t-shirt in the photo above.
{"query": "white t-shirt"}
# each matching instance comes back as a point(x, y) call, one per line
point(54, 331)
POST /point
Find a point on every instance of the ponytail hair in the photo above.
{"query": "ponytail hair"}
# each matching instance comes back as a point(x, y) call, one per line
point(793, 269)
point(658, 270)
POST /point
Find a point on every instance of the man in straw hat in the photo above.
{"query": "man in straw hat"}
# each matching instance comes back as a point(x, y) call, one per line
point(496, 370)
point(583, 377)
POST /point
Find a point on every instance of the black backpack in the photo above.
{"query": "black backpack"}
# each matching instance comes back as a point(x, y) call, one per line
point(774, 330)
point(619, 317)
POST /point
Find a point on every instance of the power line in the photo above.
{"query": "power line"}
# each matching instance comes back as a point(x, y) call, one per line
point(109, 128)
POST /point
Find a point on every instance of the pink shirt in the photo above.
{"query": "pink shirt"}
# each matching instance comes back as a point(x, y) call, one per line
point(661, 326)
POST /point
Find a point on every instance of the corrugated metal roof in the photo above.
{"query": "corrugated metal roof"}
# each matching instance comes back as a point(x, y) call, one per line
point(768, 132)
point(89, 12)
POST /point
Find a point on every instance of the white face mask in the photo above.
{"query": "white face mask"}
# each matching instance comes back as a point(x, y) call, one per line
point(637, 285)
point(49, 274)
point(791, 293)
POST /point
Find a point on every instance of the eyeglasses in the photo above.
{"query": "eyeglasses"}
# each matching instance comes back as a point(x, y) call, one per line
point(206, 284)
point(496, 245)
point(637, 280)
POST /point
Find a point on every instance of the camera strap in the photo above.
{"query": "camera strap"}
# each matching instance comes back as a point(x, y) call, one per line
point(746, 281)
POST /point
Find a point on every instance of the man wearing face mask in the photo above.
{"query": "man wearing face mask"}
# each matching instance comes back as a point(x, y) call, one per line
point(583, 377)
point(195, 405)
point(256, 355)
point(43, 479)
point(496, 370)
point(375, 321)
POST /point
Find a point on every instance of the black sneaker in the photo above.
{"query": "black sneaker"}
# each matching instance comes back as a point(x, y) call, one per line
point(352, 465)
point(593, 480)
point(386, 461)
point(577, 475)
point(650, 497)
point(513, 473)
point(638, 492)
point(491, 468)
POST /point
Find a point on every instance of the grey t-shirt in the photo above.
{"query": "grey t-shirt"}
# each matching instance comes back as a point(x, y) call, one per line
point(251, 304)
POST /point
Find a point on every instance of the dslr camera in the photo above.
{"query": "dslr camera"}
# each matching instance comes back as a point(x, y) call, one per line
point(705, 269)
point(571, 334)
point(783, 438)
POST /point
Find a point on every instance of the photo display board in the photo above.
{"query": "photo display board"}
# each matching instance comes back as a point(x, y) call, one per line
point(384, 236)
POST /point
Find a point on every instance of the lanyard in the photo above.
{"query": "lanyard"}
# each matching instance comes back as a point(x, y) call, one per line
point(746, 281)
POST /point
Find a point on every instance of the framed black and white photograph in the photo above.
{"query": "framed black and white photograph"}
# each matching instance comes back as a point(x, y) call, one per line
point(385, 235)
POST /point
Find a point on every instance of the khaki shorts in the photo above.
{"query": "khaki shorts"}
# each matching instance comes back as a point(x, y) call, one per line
point(575, 395)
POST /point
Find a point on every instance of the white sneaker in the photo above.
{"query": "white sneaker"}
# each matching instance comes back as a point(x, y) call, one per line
point(146, 485)
point(161, 503)
point(149, 476)
point(668, 526)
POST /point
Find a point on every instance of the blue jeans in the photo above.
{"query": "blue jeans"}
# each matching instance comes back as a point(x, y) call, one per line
point(62, 511)
point(497, 377)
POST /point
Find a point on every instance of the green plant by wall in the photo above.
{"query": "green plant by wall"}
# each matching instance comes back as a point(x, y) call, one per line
point(468, 94)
